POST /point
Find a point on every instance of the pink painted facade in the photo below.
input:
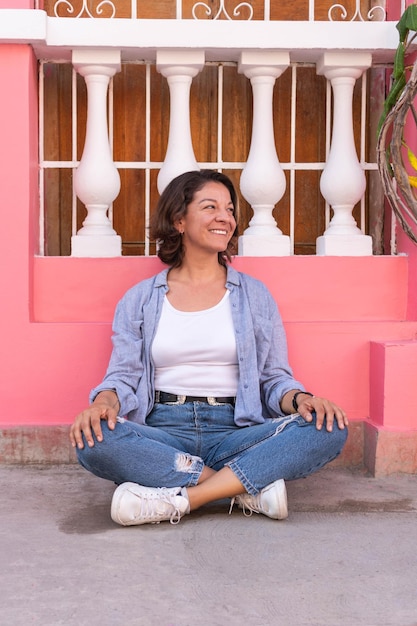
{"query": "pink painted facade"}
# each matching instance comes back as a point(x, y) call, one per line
point(351, 322)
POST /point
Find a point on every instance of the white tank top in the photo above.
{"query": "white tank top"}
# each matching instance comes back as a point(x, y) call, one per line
point(194, 353)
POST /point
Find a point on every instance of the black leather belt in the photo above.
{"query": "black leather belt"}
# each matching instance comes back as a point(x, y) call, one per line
point(162, 397)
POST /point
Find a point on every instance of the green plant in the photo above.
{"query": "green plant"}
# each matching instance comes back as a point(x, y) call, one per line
point(394, 157)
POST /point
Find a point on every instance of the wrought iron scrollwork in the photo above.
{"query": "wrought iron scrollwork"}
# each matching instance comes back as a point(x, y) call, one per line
point(99, 10)
point(222, 10)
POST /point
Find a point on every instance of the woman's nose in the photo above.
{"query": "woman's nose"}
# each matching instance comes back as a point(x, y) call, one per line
point(223, 214)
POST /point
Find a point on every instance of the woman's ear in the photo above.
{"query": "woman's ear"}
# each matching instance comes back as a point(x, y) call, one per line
point(179, 226)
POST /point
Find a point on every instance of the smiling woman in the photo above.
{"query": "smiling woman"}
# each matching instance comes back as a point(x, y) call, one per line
point(207, 192)
point(199, 402)
point(197, 212)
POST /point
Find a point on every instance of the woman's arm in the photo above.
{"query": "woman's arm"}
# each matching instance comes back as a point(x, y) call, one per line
point(88, 422)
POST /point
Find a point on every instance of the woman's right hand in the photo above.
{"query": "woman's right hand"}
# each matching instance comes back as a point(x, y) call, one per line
point(87, 423)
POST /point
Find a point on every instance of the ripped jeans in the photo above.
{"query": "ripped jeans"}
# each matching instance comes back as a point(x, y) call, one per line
point(178, 440)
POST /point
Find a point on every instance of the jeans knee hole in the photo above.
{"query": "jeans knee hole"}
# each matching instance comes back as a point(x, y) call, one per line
point(183, 462)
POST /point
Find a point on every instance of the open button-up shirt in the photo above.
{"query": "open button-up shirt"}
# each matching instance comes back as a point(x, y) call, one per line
point(264, 373)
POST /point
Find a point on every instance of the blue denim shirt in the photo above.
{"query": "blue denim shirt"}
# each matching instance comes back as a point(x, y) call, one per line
point(264, 373)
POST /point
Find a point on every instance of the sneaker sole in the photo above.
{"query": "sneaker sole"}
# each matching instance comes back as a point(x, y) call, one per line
point(115, 506)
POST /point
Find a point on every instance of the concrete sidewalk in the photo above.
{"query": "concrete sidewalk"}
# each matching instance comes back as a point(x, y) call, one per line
point(347, 556)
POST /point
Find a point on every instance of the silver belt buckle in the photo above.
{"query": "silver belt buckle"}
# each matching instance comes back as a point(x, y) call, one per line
point(213, 402)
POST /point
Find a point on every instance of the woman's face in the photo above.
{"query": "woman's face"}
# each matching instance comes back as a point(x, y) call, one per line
point(209, 222)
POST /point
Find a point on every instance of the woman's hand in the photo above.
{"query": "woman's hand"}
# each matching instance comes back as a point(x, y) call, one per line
point(327, 412)
point(104, 407)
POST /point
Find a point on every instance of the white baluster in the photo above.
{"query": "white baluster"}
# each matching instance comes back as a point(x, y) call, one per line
point(179, 68)
point(262, 182)
point(343, 181)
point(96, 180)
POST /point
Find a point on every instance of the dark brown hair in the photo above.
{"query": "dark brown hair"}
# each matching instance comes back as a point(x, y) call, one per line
point(172, 206)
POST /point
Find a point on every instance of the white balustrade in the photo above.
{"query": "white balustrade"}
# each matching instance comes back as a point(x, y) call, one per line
point(263, 182)
point(179, 68)
point(96, 179)
point(343, 180)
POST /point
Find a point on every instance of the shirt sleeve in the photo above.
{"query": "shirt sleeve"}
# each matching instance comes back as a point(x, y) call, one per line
point(277, 375)
point(125, 366)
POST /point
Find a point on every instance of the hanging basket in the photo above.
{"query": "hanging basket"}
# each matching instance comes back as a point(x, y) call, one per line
point(393, 169)
point(395, 159)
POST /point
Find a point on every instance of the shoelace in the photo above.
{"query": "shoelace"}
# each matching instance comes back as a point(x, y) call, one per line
point(247, 508)
point(148, 508)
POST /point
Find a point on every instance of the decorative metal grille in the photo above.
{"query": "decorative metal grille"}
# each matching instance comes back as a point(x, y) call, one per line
point(227, 9)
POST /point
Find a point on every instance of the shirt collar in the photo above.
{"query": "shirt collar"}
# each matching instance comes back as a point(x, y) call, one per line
point(232, 277)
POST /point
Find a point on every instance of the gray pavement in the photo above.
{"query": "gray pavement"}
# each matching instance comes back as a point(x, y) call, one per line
point(347, 555)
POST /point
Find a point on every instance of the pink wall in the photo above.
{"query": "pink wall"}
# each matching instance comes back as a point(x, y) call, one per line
point(17, 4)
point(406, 246)
point(55, 313)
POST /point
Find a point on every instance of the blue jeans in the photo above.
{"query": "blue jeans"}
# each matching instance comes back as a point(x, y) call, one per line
point(178, 440)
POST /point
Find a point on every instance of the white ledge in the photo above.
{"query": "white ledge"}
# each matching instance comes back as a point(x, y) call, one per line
point(22, 26)
point(54, 38)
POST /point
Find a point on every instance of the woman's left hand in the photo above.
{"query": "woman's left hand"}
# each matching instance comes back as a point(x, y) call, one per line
point(327, 412)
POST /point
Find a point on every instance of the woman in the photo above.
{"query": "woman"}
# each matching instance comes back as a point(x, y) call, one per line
point(199, 368)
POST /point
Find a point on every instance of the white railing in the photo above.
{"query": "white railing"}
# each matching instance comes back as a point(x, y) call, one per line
point(352, 47)
point(263, 236)
point(226, 10)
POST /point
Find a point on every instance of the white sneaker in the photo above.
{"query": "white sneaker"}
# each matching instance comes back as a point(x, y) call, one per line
point(134, 504)
point(271, 501)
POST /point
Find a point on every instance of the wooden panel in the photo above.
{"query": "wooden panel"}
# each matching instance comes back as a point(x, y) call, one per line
point(159, 116)
point(309, 211)
point(375, 194)
point(203, 114)
point(163, 9)
point(57, 211)
point(129, 130)
point(237, 115)
point(57, 107)
point(281, 212)
point(282, 115)
point(310, 146)
point(129, 211)
point(81, 115)
point(289, 10)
